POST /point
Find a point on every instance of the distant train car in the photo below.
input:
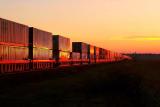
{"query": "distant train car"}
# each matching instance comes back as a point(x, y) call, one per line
point(40, 49)
point(118, 57)
point(91, 55)
point(107, 56)
point(96, 54)
point(75, 57)
point(61, 49)
point(111, 56)
point(24, 48)
point(82, 48)
point(102, 55)
point(13, 46)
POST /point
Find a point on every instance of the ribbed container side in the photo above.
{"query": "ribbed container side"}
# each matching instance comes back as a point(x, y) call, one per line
point(42, 54)
point(13, 33)
point(39, 38)
point(64, 55)
point(84, 48)
point(102, 51)
point(96, 52)
point(91, 51)
point(76, 47)
point(111, 55)
point(79, 47)
point(102, 54)
point(107, 54)
point(61, 43)
point(75, 55)
point(61, 55)
point(13, 53)
point(84, 56)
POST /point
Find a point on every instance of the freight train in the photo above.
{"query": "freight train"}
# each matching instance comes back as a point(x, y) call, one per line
point(24, 48)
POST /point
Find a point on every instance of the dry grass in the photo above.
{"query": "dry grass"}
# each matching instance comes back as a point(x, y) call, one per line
point(124, 84)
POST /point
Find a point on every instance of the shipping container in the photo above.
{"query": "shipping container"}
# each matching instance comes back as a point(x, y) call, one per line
point(115, 56)
point(13, 46)
point(61, 43)
point(91, 53)
point(42, 54)
point(84, 56)
point(13, 53)
point(40, 49)
point(61, 49)
point(40, 44)
point(101, 53)
point(75, 55)
point(82, 48)
point(40, 38)
point(13, 33)
point(22, 48)
point(61, 55)
point(96, 54)
point(107, 55)
point(111, 56)
point(118, 56)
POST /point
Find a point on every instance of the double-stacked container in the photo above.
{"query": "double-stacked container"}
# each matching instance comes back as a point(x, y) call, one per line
point(102, 55)
point(96, 54)
point(121, 57)
point(107, 55)
point(81, 48)
point(112, 56)
point(13, 46)
point(40, 49)
point(118, 56)
point(91, 54)
point(61, 49)
point(75, 57)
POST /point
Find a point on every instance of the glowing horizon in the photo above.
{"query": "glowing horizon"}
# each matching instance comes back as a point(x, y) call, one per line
point(117, 25)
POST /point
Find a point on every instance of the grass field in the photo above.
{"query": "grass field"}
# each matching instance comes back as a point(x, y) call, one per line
point(123, 84)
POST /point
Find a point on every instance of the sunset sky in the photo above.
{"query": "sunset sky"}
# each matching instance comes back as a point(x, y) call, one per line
point(117, 25)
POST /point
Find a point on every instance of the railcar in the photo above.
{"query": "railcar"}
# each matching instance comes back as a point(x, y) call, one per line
point(91, 52)
point(102, 55)
point(96, 54)
point(61, 49)
point(75, 58)
point(13, 46)
point(81, 48)
point(40, 49)
point(24, 48)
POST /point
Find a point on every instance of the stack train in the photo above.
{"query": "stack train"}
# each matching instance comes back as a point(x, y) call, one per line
point(24, 48)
